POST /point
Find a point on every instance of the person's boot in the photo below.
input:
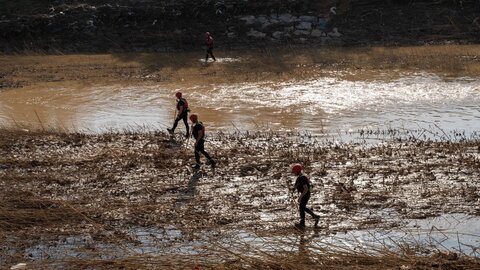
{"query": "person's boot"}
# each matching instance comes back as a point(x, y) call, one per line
point(212, 163)
point(300, 225)
point(170, 131)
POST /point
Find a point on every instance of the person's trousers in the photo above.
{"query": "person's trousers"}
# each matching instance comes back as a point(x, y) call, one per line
point(200, 148)
point(184, 117)
point(209, 52)
point(303, 208)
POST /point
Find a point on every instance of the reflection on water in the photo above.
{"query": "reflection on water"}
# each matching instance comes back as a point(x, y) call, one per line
point(455, 232)
point(451, 232)
point(317, 106)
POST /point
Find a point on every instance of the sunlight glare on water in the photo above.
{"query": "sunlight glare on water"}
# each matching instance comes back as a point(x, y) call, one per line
point(345, 105)
point(321, 106)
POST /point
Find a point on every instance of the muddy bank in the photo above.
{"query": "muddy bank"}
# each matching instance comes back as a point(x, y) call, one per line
point(242, 66)
point(106, 187)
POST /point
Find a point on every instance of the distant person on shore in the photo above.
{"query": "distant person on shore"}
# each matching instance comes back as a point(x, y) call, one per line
point(182, 114)
point(209, 43)
point(303, 186)
point(198, 133)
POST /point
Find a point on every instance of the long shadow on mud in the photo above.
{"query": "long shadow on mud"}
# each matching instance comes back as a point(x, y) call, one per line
point(266, 60)
point(193, 183)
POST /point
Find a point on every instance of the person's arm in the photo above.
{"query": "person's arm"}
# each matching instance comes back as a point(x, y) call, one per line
point(199, 137)
point(305, 190)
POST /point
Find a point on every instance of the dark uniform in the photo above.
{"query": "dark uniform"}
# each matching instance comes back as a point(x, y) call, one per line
point(182, 116)
point(302, 180)
point(200, 144)
point(209, 43)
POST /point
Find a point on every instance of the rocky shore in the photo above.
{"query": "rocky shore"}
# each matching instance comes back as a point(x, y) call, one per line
point(53, 26)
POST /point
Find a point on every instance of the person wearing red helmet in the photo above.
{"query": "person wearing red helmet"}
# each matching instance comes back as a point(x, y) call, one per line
point(198, 133)
point(182, 107)
point(209, 42)
point(303, 186)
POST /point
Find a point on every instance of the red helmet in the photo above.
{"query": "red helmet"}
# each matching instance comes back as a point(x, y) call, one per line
point(296, 168)
point(178, 94)
point(193, 117)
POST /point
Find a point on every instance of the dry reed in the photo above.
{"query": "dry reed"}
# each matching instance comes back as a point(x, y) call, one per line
point(127, 200)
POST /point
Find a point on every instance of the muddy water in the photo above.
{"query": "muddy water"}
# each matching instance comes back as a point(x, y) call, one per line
point(321, 106)
point(447, 233)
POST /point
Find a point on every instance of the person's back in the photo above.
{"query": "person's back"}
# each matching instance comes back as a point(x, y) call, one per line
point(209, 41)
point(301, 182)
point(197, 127)
point(182, 108)
point(198, 132)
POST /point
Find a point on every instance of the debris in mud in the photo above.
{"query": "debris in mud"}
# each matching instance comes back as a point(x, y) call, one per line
point(55, 186)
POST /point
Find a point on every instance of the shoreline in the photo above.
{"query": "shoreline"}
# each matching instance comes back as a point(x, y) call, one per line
point(284, 64)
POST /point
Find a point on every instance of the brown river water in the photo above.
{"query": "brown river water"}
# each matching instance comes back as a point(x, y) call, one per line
point(325, 105)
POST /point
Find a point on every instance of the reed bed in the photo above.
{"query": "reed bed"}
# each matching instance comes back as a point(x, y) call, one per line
point(130, 200)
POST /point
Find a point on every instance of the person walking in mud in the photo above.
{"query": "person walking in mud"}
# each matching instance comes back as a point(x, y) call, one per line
point(198, 133)
point(209, 43)
point(182, 114)
point(303, 186)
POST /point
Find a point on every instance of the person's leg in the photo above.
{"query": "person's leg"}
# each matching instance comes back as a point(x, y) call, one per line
point(197, 157)
point(202, 150)
point(185, 121)
point(211, 53)
point(206, 55)
point(303, 205)
point(172, 130)
point(308, 210)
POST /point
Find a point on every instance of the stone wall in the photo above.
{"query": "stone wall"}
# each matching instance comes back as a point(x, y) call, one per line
point(156, 25)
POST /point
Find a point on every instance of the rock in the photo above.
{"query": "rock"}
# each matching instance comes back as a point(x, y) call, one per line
point(318, 33)
point(256, 34)
point(19, 266)
point(301, 33)
point(248, 19)
point(288, 29)
point(262, 20)
point(311, 19)
point(304, 26)
point(322, 24)
point(274, 21)
point(266, 24)
point(286, 18)
point(334, 33)
point(277, 34)
point(4, 166)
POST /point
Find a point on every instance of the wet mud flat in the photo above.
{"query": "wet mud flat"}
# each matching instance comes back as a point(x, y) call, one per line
point(131, 200)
